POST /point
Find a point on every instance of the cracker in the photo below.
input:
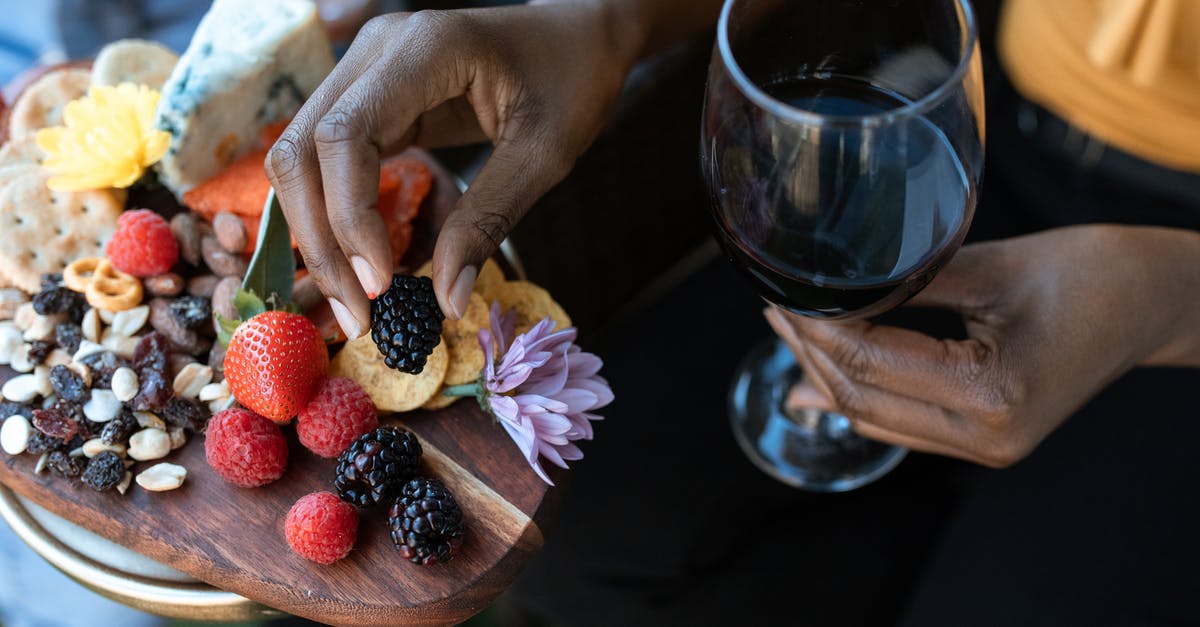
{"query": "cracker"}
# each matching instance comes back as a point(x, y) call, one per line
point(490, 275)
point(437, 401)
point(134, 61)
point(44, 230)
point(426, 269)
point(22, 151)
point(461, 338)
point(390, 390)
point(41, 104)
point(531, 303)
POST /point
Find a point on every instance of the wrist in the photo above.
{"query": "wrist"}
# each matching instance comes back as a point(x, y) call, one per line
point(1179, 253)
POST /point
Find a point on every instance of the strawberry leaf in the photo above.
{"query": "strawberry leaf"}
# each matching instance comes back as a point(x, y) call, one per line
point(248, 304)
point(272, 269)
point(225, 328)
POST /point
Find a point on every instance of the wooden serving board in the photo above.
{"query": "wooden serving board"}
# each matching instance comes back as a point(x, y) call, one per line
point(233, 537)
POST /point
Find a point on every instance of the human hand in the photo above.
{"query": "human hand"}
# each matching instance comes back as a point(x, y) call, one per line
point(537, 80)
point(1051, 319)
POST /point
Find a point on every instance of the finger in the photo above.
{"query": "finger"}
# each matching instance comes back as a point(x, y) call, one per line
point(894, 412)
point(879, 434)
point(949, 373)
point(805, 395)
point(517, 174)
point(293, 167)
point(779, 322)
point(349, 162)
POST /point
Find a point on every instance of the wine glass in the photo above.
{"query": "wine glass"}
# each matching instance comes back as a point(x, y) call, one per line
point(842, 146)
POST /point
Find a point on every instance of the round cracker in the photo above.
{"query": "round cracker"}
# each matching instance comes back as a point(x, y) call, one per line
point(44, 230)
point(21, 151)
point(390, 390)
point(490, 275)
point(461, 338)
point(41, 104)
point(134, 61)
point(426, 269)
point(438, 401)
point(530, 302)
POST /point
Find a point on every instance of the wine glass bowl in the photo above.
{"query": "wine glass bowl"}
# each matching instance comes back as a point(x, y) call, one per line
point(842, 146)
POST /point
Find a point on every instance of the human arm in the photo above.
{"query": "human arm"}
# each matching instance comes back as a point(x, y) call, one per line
point(1051, 319)
point(537, 81)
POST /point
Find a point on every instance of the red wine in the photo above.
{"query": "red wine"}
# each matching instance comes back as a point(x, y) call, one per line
point(848, 219)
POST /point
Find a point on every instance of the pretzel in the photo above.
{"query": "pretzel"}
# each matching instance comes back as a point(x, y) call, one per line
point(78, 274)
point(113, 290)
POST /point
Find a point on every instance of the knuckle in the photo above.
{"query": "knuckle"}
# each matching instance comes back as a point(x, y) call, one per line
point(284, 160)
point(338, 126)
point(847, 397)
point(378, 26)
point(491, 226)
point(321, 266)
point(854, 358)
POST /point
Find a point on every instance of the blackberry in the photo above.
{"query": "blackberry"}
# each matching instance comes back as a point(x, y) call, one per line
point(426, 522)
point(104, 472)
point(191, 311)
point(406, 323)
point(375, 466)
point(62, 463)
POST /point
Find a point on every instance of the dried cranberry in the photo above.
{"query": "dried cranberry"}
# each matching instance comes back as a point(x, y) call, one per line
point(55, 423)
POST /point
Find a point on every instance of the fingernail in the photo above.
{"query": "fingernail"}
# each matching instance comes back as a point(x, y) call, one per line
point(367, 277)
point(346, 320)
point(804, 395)
point(460, 294)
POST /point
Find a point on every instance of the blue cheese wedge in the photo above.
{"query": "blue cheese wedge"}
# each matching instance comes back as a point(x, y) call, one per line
point(248, 65)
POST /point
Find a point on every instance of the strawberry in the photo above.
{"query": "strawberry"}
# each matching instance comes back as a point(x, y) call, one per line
point(274, 363)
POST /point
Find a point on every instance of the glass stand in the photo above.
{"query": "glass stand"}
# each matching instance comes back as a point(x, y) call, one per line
point(810, 449)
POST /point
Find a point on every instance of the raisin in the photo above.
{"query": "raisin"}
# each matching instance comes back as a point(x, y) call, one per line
point(60, 300)
point(41, 443)
point(67, 385)
point(39, 351)
point(186, 413)
point(9, 408)
point(54, 423)
point(151, 360)
point(103, 366)
point(68, 335)
point(118, 430)
point(191, 311)
point(51, 280)
point(62, 463)
point(104, 472)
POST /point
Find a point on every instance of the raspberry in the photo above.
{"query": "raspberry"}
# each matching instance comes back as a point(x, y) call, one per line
point(321, 528)
point(339, 412)
point(246, 449)
point(143, 244)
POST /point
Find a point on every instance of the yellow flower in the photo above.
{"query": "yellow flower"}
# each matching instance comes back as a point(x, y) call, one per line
point(108, 139)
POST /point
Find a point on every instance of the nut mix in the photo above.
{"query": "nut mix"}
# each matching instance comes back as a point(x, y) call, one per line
point(112, 369)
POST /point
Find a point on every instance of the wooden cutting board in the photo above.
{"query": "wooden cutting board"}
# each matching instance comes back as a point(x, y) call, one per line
point(233, 537)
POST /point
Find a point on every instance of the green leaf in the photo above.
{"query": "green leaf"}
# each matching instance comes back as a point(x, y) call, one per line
point(248, 304)
point(272, 270)
point(225, 328)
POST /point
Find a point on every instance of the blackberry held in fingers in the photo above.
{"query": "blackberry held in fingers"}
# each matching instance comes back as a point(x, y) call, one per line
point(406, 323)
point(426, 522)
point(375, 466)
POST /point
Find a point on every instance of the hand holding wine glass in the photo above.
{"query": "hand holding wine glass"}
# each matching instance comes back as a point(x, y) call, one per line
point(1051, 319)
point(842, 144)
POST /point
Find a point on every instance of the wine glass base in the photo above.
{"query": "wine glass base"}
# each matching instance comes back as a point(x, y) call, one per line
point(809, 449)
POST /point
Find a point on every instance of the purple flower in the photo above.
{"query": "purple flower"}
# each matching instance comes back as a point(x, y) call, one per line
point(541, 389)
